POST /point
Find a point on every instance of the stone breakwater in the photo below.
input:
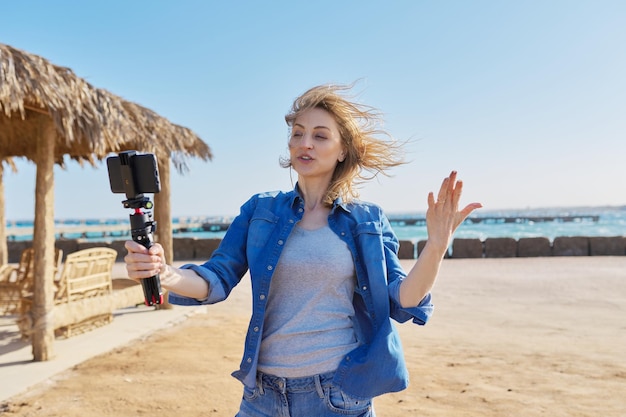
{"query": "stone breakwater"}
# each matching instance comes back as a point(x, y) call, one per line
point(201, 249)
point(537, 246)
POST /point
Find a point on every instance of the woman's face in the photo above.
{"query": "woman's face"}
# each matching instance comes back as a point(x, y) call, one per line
point(315, 145)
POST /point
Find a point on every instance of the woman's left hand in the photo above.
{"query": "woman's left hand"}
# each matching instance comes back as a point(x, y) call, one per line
point(443, 215)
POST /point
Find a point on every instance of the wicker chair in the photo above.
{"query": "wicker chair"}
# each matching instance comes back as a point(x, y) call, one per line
point(17, 280)
point(9, 290)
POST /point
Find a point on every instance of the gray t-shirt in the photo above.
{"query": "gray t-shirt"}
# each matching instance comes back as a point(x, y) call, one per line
point(308, 323)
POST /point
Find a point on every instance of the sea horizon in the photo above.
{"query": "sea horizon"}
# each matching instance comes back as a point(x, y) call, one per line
point(611, 221)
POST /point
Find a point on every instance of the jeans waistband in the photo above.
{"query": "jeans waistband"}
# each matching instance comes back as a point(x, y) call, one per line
point(303, 384)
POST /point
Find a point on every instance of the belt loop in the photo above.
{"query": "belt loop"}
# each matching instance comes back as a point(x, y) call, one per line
point(318, 386)
point(259, 383)
point(282, 385)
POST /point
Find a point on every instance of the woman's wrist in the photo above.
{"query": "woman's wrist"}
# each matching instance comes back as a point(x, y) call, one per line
point(167, 275)
point(439, 249)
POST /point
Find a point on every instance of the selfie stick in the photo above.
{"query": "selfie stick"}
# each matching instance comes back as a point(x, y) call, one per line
point(142, 227)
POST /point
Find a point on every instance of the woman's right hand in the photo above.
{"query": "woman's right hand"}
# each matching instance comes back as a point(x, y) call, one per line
point(143, 263)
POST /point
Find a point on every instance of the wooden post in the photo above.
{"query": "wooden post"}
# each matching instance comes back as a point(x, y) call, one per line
point(43, 243)
point(4, 253)
point(163, 214)
point(163, 211)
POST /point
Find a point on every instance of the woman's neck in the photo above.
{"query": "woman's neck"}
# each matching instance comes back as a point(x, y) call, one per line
point(315, 210)
point(313, 194)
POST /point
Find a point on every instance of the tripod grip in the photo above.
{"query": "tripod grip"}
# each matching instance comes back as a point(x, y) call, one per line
point(141, 231)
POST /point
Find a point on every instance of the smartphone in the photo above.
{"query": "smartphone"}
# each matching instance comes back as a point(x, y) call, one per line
point(133, 173)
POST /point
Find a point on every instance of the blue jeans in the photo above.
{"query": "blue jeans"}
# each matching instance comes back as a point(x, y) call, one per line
point(314, 396)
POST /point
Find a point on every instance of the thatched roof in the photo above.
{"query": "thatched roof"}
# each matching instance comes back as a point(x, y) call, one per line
point(90, 122)
point(9, 162)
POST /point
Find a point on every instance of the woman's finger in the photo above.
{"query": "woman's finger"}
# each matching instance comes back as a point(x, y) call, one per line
point(134, 247)
point(443, 191)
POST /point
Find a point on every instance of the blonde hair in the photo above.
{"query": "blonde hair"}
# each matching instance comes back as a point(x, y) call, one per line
point(368, 153)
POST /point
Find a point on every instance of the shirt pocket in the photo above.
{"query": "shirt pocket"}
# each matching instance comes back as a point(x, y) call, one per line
point(262, 224)
point(369, 240)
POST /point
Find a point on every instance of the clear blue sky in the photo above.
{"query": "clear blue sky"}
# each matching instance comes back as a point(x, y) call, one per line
point(527, 100)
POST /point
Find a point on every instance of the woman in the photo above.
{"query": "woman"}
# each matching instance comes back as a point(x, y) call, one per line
point(326, 279)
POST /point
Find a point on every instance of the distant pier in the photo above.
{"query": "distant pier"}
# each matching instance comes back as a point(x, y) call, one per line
point(85, 231)
point(535, 219)
point(421, 221)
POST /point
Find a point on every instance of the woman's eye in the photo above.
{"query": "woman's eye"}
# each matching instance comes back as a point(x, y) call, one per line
point(318, 136)
point(296, 134)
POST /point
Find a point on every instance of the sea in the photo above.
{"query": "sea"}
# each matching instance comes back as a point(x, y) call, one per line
point(517, 223)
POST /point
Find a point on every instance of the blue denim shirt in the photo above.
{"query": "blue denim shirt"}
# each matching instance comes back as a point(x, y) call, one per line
point(255, 241)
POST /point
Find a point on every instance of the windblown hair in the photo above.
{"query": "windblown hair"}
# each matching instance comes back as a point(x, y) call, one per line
point(370, 150)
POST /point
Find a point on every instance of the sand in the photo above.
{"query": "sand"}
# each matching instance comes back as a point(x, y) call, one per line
point(509, 337)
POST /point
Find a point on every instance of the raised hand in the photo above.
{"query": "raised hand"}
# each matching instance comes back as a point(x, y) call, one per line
point(443, 216)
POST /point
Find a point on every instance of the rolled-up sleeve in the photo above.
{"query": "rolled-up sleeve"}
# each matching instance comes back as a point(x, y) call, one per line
point(395, 275)
point(419, 314)
point(216, 293)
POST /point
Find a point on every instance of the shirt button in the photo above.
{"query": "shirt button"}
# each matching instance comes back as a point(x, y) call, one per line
point(249, 360)
point(256, 329)
point(343, 233)
point(300, 210)
point(270, 267)
point(365, 288)
point(290, 220)
point(262, 296)
point(280, 242)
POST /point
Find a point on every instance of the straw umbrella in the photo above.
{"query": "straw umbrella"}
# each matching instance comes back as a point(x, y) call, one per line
point(47, 113)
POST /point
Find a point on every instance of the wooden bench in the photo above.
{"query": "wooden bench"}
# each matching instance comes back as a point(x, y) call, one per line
point(82, 294)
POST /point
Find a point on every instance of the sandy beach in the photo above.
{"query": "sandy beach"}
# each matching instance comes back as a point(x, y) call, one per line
point(509, 337)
